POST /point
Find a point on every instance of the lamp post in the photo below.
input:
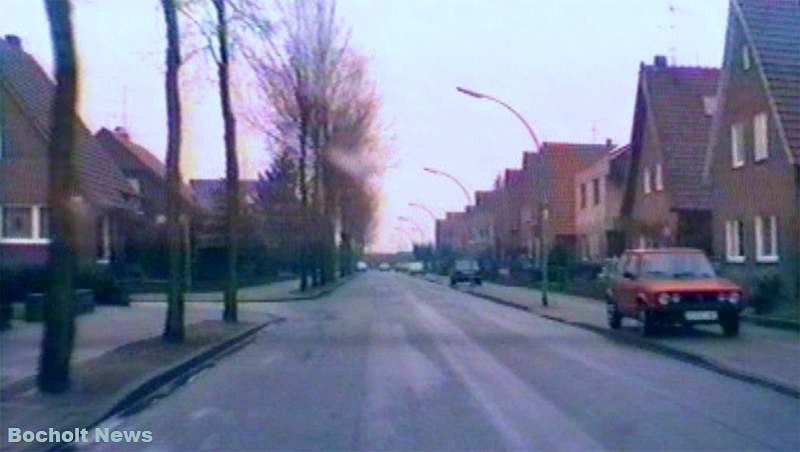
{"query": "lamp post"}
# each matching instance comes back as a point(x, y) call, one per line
point(543, 206)
point(415, 226)
point(425, 208)
point(452, 178)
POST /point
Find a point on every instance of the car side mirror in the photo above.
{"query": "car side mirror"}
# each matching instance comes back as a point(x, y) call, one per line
point(628, 275)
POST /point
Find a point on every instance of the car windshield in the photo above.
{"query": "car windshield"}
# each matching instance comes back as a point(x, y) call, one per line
point(676, 266)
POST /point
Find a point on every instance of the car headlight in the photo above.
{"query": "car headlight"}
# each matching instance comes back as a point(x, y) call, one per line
point(663, 299)
point(675, 298)
point(722, 297)
point(734, 297)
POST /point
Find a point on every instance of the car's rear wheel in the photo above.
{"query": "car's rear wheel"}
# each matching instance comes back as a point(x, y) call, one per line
point(729, 321)
point(613, 316)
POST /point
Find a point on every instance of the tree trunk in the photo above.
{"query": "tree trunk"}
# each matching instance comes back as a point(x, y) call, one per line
point(174, 326)
point(230, 313)
point(304, 239)
point(59, 327)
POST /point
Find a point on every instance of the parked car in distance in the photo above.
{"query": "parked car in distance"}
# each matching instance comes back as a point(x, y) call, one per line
point(361, 266)
point(416, 268)
point(671, 286)
point(465, 270)
point(384, 267)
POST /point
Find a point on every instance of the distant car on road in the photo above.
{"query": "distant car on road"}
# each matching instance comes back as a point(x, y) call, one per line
point(671, 286)
point(416, 268)
point(384, 267)
point(362, 266)
point(465, 270)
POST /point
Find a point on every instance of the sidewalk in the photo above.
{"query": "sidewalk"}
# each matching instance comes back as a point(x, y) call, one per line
point(271, 292)
point(116, 379)
point(768, 355)
point(109, 327)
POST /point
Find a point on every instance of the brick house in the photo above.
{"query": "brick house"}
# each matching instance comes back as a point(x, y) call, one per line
point(665, 201)
point(553, 172)
point(104, 200)
point(598, 200)
point(510, 243)
point(452, 233)
point(146, 241)
point(753, 158)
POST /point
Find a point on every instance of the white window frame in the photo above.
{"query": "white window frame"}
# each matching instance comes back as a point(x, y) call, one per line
point(734, 248)
point(105, 239)
point(737, 145)
point(761, 253)
point(761, 137)
point(746, 63)
point(646, 181)
point(35, 238)
point(659, 183)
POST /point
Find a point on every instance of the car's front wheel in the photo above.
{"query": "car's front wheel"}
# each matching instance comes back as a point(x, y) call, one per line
point(648, 323)
point(729, 321)
point(613, 316)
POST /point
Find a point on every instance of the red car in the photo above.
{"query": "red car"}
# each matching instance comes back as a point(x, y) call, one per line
point(671, 286)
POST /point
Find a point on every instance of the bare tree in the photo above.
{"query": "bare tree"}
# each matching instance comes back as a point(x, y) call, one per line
point(231, 163)
point(59, 328)
point(174, 330)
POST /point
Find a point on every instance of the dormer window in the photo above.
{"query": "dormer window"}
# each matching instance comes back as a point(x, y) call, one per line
point(745, 57)
point(135, 185)
point(710, 105)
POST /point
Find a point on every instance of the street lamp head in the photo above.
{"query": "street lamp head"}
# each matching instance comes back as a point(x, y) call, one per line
point(429, 170)
point(469, 92)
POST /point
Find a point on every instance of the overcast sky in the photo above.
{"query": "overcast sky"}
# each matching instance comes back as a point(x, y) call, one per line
point(569, 66)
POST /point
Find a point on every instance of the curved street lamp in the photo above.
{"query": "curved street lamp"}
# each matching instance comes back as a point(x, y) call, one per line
point(415, 226)
point(452, 178)
point(425, 208)
point(544, 206)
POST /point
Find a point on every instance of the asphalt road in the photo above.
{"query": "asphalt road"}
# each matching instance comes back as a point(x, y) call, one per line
point(390, 362)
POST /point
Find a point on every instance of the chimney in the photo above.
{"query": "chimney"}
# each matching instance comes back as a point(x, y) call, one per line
point(660, 61)
point(122, 132)
point(14, 41)
point(609, 143)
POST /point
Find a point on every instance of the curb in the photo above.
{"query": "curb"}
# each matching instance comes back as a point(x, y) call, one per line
point(626, 339)
point(148, 385)
point(772, 322)
point(136, 391)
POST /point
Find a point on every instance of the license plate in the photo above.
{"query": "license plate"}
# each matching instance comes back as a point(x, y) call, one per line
point(701, 315)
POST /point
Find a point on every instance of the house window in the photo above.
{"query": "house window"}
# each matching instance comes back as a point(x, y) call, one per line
point(44, 223)
point(766, 230)
point(737, 145)
point(17, 222)
point(647, 184)
point(103, 239)
point(734, 241)
point(659, 178)
point(745, 57)
point(583, 196)
point(760, 137)
point(596, 191)
point(25, 224)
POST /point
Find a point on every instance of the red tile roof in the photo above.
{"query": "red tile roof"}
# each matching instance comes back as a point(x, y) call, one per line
point(117, 142)
point(773, 28)
point(674, 97)
point(26, 82)
point(563, 161)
